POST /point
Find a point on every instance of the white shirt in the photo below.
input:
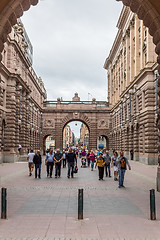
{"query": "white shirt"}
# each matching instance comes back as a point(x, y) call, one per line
point(19, 146)
point(30, 157)
point(64, 155)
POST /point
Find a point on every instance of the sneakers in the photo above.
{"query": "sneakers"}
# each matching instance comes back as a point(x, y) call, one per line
point(68, 176)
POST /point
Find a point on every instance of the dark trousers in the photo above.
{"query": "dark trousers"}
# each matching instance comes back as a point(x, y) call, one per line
point(57, 170)
point(70, 169)
point(49, 168)
point(64, 162)
point(88, 160)
point(108, 170)
point(37, 166)
point(101, 172)
point(121, 177)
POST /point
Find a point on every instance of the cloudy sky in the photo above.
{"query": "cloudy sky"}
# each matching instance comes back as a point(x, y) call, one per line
point(71, 40)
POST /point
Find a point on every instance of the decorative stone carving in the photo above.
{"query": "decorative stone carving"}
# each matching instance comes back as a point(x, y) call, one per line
point(76, 98)
point(75, 115)
point(49, 123)
point(103, 124)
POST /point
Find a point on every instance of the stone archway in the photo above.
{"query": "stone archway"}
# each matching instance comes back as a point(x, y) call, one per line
point(71, 118)
point(147, 10)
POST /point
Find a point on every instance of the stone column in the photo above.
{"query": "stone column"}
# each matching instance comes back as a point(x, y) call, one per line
point(10, 132)
point(93, 136)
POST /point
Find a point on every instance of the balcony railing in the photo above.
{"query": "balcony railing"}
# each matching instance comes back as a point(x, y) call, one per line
point(54, 104)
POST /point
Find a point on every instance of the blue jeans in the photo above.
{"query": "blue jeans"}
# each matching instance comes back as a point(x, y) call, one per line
point(37, 166)
point(121, 177)
point(108, 170)
point(92, 164)
point(70, 169)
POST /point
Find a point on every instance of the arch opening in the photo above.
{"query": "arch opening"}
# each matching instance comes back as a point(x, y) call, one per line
point(48, 143)
point(103, 142)
point(76, 135)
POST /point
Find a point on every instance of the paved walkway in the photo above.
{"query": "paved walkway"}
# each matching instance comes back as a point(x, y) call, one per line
point(47, 208)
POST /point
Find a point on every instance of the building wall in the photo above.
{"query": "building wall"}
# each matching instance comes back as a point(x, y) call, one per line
point(132, 89)
point(21, 99)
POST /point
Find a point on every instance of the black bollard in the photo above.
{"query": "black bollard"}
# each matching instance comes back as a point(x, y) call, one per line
point(80, 204)
point(152, 204)
point(3, 203)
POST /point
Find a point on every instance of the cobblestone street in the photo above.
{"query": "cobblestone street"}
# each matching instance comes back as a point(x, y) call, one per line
point(47, 208)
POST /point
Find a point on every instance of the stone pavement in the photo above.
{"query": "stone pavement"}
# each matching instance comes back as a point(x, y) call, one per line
point(47, 208)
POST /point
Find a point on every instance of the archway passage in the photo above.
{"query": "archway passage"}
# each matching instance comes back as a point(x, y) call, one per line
point(76, 135)
point(103, 142)
point(48, 143)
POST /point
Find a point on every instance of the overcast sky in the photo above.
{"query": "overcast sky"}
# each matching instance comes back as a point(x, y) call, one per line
point(71, 40)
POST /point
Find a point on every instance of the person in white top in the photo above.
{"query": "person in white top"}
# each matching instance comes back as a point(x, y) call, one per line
point(19, 148)
point(30, 162)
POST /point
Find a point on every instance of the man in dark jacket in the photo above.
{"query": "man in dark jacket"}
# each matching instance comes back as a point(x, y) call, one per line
point(58, 157)
point(37, 161)
point(71, 159)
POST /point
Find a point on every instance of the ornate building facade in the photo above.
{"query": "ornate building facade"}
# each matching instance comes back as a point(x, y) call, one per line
point(22, 95)
point(132, 90)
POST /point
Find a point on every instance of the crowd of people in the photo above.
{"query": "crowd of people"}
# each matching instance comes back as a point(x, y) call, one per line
point(70, 157)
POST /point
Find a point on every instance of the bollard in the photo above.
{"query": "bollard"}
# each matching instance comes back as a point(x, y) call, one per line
point(152, 204)
point(80, 204)
point(3, 203)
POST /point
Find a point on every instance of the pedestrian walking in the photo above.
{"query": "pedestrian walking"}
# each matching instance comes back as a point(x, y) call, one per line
point(50, 162)
point(58, 158)
point(132, 154)
point(101, 163)
point(114, 165)
point(122, 163)
point(30, 161)
point(64, 158)
point(19, 148)
point(88, 158)
point(107, 159)
point(37, 161)
point(72, 161)
point(83, 160)
point(92, 159)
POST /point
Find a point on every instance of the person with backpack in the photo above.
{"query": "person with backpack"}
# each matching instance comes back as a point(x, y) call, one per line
point(71, 159)
point(101, 163)
point(122, 163)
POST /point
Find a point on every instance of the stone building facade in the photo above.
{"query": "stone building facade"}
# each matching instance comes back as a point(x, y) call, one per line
point(132, 88)
point(22, 95)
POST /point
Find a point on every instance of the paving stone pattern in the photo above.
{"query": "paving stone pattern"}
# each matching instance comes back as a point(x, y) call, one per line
point(48, 208)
